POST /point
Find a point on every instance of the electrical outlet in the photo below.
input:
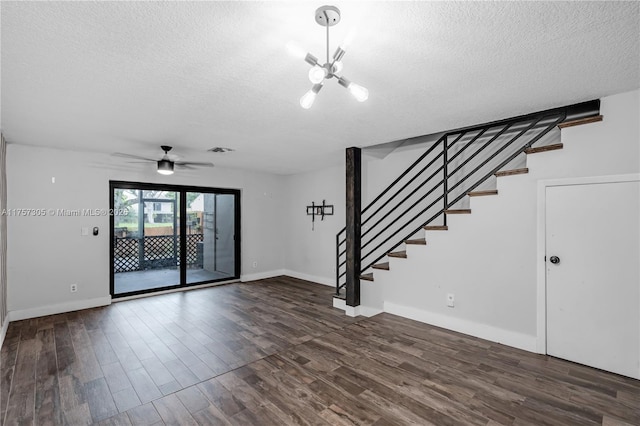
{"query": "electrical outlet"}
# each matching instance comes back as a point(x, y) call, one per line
point(73, 288)
point(254, 264)
point(450, 300)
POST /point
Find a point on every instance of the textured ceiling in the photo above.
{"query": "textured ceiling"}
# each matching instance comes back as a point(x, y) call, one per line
point(130, 76)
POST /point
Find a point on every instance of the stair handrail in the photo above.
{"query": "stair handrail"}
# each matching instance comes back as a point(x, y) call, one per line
point(545, 121)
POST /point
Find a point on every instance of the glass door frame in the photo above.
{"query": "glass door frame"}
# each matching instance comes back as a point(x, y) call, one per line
point(181, 190)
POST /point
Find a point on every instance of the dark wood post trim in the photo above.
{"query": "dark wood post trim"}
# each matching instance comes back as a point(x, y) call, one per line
point(354, 161)
point(445, 179)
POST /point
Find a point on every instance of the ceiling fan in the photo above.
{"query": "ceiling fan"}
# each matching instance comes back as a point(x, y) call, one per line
point(165, 164)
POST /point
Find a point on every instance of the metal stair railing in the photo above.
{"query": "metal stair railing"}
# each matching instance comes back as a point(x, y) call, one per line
point(456, 164)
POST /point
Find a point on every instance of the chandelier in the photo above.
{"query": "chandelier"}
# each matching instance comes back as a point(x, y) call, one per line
point(327, 16)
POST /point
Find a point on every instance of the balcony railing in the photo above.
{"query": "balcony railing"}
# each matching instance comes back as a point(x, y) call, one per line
point(154, 252)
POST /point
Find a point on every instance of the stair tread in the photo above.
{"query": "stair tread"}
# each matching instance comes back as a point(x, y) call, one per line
point(512, 172)
point(458, 211)
point(367, 277)
point(402, 254)
point(417, 241)
point(436, 228)
point(580, 121)
point(545, 148)
point(384, 266)
point(340, 296)
point(483, 193)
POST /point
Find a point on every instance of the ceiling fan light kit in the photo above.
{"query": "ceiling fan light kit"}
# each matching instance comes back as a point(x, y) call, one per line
point(327, 16)
point(166, 165)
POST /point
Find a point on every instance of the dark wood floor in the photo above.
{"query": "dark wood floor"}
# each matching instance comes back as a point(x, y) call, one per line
point(274, 352)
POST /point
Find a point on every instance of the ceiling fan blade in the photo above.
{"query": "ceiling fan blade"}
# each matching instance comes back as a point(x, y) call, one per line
point(193, 163)
point(137, 157)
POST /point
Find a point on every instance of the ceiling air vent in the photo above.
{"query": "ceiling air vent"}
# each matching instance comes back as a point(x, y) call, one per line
point(220, 149)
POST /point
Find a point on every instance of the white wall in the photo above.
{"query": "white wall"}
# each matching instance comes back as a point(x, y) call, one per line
point(47, 254)
point(310, 254)
point(377, 174)
point(488, 259)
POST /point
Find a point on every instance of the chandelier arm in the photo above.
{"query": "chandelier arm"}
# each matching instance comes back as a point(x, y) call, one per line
point(311, 60)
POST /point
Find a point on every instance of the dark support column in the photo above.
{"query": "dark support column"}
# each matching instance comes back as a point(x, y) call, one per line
point(445, 178)
point(353, 225)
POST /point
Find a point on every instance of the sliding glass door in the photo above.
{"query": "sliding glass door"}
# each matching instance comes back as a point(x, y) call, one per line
point(168, 236)
point(146, 239)
point(210, 226)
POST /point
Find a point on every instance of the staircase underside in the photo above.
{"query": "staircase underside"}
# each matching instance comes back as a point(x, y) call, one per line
point(421, 241)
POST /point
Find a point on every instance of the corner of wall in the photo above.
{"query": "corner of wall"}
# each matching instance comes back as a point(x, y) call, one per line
point(261, 275)
point(309, 242)
point(3, 331)
point(307, 277)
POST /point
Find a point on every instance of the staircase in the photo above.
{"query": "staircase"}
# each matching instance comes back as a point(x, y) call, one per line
point(461, 164)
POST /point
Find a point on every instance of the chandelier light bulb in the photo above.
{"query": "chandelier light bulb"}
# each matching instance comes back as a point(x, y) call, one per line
point(308, 98)
point(360, 93)
point(337, 67)
point(306, 101)
point(317, 74)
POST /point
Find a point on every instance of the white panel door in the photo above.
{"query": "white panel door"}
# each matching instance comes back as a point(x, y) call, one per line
point(593, 293)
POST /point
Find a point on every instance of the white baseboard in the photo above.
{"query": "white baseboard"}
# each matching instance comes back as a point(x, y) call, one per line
point(261, 275)
point(483, 331)
point(351, 311)
point(365, 311)
point(3, 331)
point(313, 278)
point(60, 308)
point(368, 311)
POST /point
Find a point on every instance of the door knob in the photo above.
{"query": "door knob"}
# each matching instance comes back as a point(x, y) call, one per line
point(554, 259)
